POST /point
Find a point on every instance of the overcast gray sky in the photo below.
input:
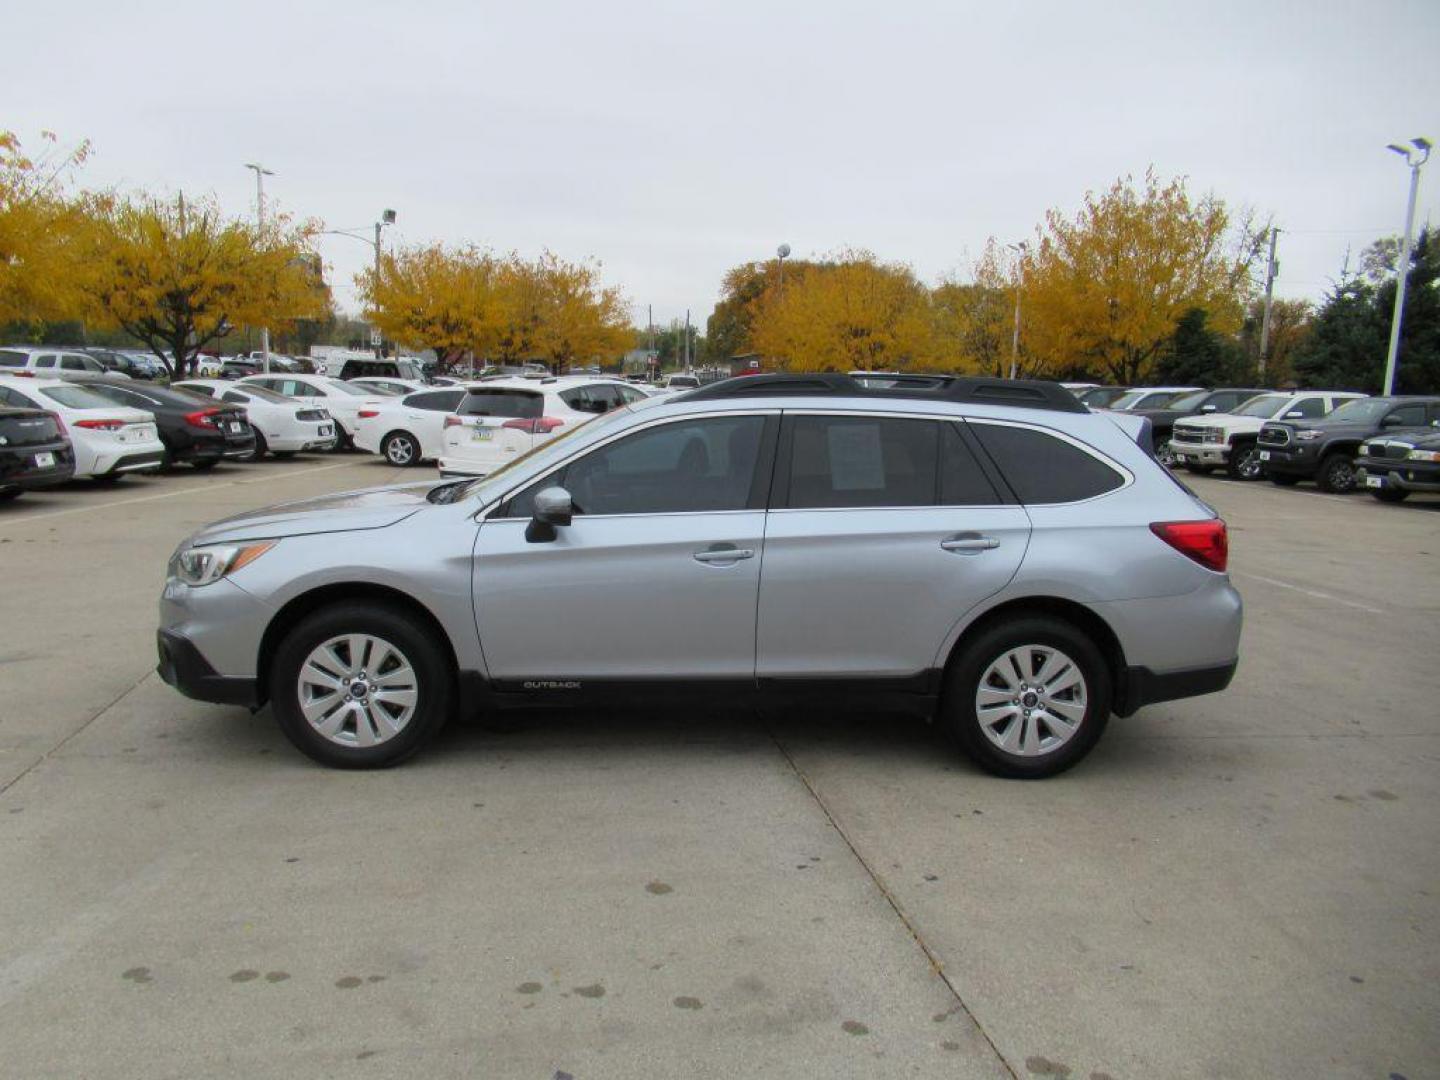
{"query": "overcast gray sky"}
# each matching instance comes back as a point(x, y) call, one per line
point(673, 141)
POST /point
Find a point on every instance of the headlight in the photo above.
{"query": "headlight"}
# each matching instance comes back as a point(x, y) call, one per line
point(1306, 436)
point(1364, 450)
point(1220, 435)
point(1423, 455)
point(203, 565)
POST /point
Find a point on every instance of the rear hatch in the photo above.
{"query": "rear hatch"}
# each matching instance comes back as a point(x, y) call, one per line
point(497, 422)
point(28, 429)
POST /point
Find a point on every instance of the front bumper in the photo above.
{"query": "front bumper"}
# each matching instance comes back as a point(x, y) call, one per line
point(1293, 460)
point(1189, 453)
point(1419, 476)
point(184, 667)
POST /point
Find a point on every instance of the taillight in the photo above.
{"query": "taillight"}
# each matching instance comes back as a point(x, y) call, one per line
point(101, 425)
point(454, 421)
point(368, 414)
point(1207, 542)
point(59, 423)
point(541, 425)
point(203, 418)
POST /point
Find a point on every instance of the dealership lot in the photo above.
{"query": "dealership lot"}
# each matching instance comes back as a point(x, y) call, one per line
point(1234, 886)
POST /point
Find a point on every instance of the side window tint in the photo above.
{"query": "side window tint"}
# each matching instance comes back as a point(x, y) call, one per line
point(1044, 469)
point(45, 361)
point(1309, 407)
point(1407, 416)
point(962, 481)
point(862, 461)
point(688, 466)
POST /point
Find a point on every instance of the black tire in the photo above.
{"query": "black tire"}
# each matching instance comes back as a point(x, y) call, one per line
point(6, 494)
point(109, 478)
point(261, 447)
point(963, 682)
point(1389, 494)
point(1283, 479)
point(400, 449)
point(427, 657)
point(1337, 473)
point(1244, 463)
point(282, 455)
point(1200, 470)
point(206, 465)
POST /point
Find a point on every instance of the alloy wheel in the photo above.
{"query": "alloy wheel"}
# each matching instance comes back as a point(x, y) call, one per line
point(357, 690)
point(1031, 700)
point(399, 450)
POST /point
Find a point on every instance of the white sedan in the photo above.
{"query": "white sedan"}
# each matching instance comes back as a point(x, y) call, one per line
point(408, 430)
point(342, 400)
point(281, 424)
point(110, 440)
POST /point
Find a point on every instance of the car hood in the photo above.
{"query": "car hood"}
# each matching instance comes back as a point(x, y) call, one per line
point(346, 511)
point(1424, 438)
point(1331, 427)
point(1218, 420)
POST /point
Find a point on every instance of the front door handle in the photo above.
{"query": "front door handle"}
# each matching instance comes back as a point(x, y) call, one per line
point(724, 555)
point(969, 543)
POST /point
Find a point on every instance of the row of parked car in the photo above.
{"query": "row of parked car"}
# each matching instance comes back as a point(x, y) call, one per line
point(1341, 440)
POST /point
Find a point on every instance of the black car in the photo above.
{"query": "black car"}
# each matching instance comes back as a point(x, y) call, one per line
point(34, 451)
point(1324, 450)
point(1392, 467)
point(194, 429)
point(239, 368)
point(1197, 403)
point(114, 361)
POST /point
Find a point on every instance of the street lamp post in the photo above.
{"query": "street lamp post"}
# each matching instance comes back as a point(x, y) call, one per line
point(781, 254)
point(1021, 247)
point(1414, 159)
point(387, 217)
point(260, 173)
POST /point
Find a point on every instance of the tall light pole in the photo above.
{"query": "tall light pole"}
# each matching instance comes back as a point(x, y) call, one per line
point(387, 217)
point(781, 254)
point(1022, 248)
point(1270, 271)
point(1414, 159)
point(260, 173)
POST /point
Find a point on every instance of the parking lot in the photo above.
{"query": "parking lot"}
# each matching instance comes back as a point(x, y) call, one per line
point(1236, 886)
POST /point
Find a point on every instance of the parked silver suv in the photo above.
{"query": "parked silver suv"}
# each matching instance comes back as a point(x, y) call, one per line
point(990, 553)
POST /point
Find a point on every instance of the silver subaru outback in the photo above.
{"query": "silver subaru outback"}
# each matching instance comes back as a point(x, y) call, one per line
point(988, 553)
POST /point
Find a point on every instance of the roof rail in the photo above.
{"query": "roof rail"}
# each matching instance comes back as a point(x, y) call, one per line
point(1020, 393)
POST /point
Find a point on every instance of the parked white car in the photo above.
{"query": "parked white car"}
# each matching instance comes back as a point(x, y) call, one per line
point(342, 400)
point(408, 430)
point(1227, 440)
point(392, 387)
point(49, 361)
point(499, 419)
point(282, 425)
point(1150, 397)
point(109, 440)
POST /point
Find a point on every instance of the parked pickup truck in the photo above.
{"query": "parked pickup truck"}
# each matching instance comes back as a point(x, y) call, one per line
point(1227, 440)
point(1198, 403)
point(1324, 450)
point(1392, 466)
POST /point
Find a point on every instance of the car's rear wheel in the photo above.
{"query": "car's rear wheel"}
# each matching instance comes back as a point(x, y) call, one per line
point(360, 685)
point(1284, 479)
point(1390, 494)
point(1029, 697)
point(400, 449)
point(1337, 474)
point(1244, 463)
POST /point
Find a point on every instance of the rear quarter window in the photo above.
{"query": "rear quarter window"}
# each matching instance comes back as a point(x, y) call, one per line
point(1042, 468)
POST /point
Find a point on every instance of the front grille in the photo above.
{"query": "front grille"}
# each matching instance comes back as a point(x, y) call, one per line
point(1189, 435)
point(310, 414)
point(1274, 436)
point(1385, 450)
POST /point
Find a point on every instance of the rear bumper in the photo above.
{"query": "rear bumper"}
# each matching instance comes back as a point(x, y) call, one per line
point(1139, 686)
point(183, 667)
point(137, 462)
point(18, 468)
point(453, 466)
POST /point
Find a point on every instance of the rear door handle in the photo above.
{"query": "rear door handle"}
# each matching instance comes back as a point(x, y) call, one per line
point(720, 555)
point(969, 542)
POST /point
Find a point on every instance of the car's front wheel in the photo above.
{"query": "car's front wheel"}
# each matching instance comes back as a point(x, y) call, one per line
point(1390, 494)
point(1029, 697)
point(360, 685)
point(1337, 474)
point(1244, 463)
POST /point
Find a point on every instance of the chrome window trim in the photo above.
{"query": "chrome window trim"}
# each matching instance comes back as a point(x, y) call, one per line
point(656, 422)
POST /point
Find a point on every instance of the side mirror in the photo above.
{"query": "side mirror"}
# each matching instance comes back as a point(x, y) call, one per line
point(553, 507)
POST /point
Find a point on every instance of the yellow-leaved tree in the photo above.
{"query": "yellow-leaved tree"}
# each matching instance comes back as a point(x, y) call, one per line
point(177, 275)
point(440, 298)
point(580, 318)
point(848, 312)
point(974, 320)
point(39, 224)
point(1104, 290)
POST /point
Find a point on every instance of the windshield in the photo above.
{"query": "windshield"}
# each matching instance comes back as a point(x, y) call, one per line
point(1265, 406)
point(77, 397)
point(1190, 401)
point(346, 388)
point(1361, 411)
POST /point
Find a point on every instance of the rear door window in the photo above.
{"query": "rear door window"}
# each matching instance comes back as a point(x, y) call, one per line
point(498, 401)
point(962, 481)
point(851, 462)
point(435, 400)
point(1406, 416)
point(47, 361)
point(1309, 408)
point(1042, 468)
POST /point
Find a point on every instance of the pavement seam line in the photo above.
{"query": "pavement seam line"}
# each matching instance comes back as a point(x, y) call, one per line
point(78, 731)
point(890, 899)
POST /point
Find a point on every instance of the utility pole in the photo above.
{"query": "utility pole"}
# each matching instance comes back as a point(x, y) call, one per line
point(1019, 288)
point(687, 341)
point(1402, 275)
point(1270, 271)
point(260, 173)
